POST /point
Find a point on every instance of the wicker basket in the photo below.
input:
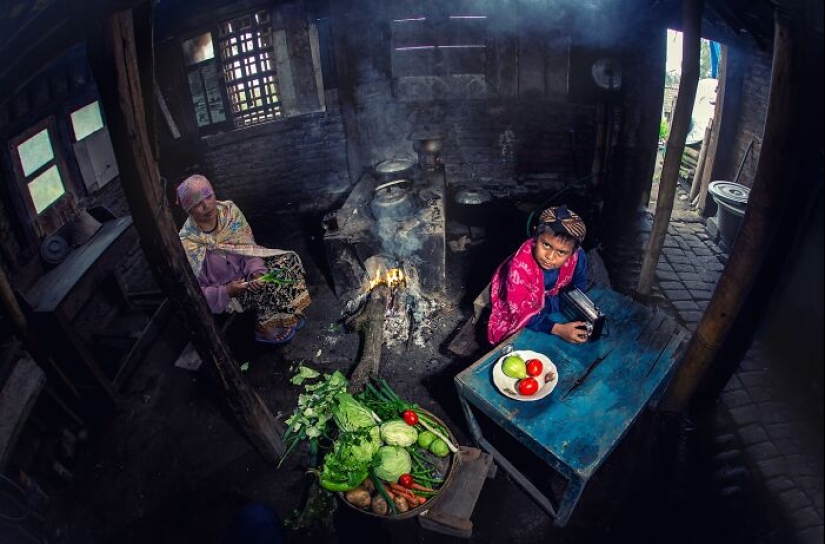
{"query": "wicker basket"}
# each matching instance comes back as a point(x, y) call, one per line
point(413, 512)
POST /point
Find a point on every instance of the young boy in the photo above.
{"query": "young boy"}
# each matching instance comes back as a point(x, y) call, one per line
point(525, 288)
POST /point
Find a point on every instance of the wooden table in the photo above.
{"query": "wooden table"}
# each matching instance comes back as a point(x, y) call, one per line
point(60, 294)
point(572, 434)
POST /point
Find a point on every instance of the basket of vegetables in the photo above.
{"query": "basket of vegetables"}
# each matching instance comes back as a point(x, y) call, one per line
point(385, 456)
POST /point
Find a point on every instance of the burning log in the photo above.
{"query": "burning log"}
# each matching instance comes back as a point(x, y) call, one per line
point(369, 322)
point(381, 292)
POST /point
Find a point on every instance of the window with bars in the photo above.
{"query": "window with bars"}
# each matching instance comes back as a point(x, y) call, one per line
point(248, 56)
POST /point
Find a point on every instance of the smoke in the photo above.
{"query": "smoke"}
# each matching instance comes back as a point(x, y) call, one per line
point(401, 239)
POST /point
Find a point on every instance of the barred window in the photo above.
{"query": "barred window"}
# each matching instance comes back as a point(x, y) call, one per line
point(247, 53)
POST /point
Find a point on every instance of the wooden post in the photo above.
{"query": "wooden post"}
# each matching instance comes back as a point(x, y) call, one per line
point(113, 56)
point(752, 246)
point(716, 127)
point(346, 64)
point(700, 164)
point(692, 12)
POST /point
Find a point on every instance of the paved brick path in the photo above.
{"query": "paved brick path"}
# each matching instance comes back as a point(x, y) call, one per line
point(773, 443)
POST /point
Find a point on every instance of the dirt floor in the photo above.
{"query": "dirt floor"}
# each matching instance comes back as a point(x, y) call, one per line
point(170, 466)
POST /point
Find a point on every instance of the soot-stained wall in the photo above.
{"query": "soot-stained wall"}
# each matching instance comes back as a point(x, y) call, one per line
point(519, 111)
point(527, 124)
point(294, 164)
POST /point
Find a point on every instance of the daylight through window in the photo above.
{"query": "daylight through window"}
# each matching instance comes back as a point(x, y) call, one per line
point(39, 167)
point(246, 49)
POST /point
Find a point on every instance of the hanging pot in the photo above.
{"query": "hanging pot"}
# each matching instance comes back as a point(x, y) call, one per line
point(392, 200)
point(393, 169)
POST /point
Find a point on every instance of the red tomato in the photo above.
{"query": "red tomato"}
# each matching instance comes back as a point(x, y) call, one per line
point(534, 367)
point(406, 480)
point(528, 386)
point(410, 417)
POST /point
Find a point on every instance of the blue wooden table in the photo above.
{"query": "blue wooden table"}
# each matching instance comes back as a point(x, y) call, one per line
point(573, 433)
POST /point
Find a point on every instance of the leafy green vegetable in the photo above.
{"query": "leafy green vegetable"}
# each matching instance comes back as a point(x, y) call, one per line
point(350, 415)
point(348, 464)
point(310, 420)
point(304, 373)
point(276, 276)
point(397, 432)
point(391, 462)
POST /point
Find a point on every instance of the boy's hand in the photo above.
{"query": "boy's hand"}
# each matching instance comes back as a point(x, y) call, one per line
point(573, 332)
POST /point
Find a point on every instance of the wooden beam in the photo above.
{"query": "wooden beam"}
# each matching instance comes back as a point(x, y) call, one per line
point(114, 58)
point(752, 247)
point(715, 131)
point(692, 12)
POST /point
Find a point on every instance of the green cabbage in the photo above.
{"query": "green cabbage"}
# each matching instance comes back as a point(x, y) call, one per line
point(391, 462)
point(350, 415)
point(397, 432)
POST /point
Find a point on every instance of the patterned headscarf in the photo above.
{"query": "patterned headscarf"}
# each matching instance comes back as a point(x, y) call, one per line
point(192, 190)
point(565, 221)
point(233, 235)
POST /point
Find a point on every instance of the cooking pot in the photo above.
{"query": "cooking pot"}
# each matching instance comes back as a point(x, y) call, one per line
point(392, 200)
point(393, 169)
point(471, 206)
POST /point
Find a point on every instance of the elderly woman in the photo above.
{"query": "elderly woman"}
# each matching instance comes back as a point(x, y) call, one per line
point(236, 274)
point(525, 288)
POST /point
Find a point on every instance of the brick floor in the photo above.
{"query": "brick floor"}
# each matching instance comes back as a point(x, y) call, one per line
point(772, 439)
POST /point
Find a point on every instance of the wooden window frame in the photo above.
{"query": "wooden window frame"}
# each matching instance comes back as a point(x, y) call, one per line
point(59, 212)
point(255, 61)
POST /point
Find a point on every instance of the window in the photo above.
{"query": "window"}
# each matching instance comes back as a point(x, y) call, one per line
point(204, 80)
point(245, 79)
point(244, 72)
point(247, 53)
point(439, 55)
point(432, 46)
point(40, 170)
point(93, 146)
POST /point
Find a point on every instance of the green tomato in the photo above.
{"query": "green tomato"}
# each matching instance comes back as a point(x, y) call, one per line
point(439, 448)
point(425, 438)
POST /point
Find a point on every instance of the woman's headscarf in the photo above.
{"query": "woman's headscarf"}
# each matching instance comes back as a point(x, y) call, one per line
point(232, 234)
point(192, 190)
point(564, 221)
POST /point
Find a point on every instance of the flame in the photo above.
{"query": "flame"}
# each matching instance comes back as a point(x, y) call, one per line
point(393, 278)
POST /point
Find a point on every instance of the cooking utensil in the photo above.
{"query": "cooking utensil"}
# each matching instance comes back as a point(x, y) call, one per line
point(391, 201)
point(393, 169)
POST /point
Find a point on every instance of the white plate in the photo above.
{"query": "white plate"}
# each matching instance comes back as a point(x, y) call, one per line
point(508, 386)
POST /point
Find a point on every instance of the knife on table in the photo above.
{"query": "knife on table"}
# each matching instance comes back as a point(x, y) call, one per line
point(581, 379)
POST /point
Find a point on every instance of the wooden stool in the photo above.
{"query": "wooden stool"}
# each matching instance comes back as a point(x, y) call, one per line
point(451, 513)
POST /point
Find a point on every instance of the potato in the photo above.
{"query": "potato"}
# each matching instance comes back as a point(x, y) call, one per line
point(400, 504)
point(359, 497)
point(368, 485)
point(379, 505)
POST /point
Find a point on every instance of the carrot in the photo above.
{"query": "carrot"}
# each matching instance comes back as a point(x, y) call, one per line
point(404, 492)
point(407, 494)
point(420, 487)
point(389, 492)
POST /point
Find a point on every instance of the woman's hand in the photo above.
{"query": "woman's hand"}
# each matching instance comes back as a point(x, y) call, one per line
point(236, 288)
point(255, 284)
point(573, 332)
